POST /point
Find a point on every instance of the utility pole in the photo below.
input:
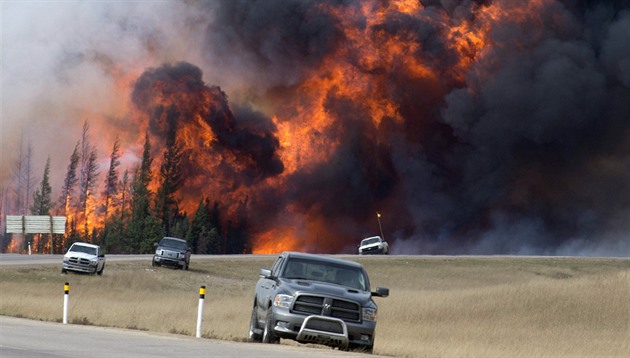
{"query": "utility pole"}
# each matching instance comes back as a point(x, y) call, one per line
point(378, 217)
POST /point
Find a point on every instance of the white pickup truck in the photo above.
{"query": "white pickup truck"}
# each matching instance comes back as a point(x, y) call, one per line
point(373, 245)
point(84, 257)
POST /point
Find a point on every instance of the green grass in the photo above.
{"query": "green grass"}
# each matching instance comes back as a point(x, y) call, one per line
point(438, 306)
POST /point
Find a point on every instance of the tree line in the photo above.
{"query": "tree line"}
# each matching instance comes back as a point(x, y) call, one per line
point(126, 217)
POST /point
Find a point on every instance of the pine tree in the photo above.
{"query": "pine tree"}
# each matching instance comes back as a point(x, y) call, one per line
point(67, 190)
point(88, 173)
point(87, 205)
point(238, 233)
point(197, 233)
point(111, 181)
point(166, 205)
point(111, 190)
point(216, 244)
point(141, 218)
point(42, 202)
point(67, 193)
point(125, 194)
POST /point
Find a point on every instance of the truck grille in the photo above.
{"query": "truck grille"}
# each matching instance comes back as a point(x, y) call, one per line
point(170, 254)
point(371, 249)
point(327, 306)
point(79, 261)
point(325, 326)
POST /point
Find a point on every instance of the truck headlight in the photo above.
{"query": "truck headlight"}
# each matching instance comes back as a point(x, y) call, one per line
point(369, 314)
point(182, 255)
point(158, 252)
point(284, 301)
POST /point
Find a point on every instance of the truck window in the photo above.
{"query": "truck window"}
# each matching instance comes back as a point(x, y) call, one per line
point(275, 269)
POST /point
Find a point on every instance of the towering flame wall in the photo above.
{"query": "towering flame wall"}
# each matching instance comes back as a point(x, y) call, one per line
point(472, 126)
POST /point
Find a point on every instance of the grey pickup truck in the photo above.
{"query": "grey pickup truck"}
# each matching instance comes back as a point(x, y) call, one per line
point(315, 299)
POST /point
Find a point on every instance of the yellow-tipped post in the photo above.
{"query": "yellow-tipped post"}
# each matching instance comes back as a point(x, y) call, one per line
point(202, 296)
point(66, 293)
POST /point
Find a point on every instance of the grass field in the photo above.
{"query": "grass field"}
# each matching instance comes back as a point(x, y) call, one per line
point(438, 306)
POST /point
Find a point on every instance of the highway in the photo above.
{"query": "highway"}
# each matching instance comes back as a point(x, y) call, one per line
point(17, 259)
point(22, 338)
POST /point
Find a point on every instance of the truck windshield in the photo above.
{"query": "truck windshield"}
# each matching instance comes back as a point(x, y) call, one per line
point(84, 249)
point(347, 276)
point(372, 240)
point(176, 244)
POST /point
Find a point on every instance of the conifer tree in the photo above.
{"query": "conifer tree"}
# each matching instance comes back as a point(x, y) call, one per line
point(166, 204)
point(42, 202)
point(110, 192)
point(88, 173)
point(111, 181)
point(140, 208)
point(67, 193)
point(197, 232)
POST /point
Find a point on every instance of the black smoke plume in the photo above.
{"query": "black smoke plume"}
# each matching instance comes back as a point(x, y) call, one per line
point(528, 151)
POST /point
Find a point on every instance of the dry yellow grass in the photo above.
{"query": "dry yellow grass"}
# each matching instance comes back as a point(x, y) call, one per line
point(438, 306)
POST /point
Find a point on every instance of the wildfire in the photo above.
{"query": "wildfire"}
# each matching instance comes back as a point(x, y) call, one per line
point(391, 67)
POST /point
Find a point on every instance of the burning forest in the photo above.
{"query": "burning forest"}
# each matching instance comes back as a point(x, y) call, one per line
point(473, 127)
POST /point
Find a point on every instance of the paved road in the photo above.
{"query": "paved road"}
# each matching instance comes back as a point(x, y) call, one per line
point(17, 259)
point(21, 338)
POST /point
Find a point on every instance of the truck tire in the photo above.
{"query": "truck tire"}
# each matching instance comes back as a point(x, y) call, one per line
point(268, 335)
point(254, 335)
point(100, 272)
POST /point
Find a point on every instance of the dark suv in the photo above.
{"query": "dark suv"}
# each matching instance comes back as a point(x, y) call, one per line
point(315, 299)
point(171, 251)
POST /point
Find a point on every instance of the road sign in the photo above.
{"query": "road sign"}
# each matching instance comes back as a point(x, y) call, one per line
point(36, 224)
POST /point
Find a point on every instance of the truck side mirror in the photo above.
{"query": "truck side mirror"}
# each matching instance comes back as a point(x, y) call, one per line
point(265, 273)
point(381, 292)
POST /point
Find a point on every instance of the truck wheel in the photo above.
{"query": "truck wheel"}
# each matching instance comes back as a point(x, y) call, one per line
point(64, 271)
point(186, 264)
point(100, 272)
point(268, 335)
point(254, 335)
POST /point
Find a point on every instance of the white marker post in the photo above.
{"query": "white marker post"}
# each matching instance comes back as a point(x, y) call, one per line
point(202, 296)
point(66, 293)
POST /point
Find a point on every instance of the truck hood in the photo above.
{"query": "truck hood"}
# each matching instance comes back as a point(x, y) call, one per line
point(327, 289)
point(172, 249)
point(371, 245)
point(81, 255)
